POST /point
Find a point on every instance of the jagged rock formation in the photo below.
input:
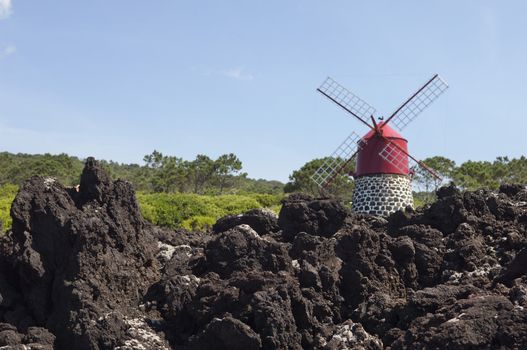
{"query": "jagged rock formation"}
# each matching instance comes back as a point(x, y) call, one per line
point(83, 270)
point(77, 263)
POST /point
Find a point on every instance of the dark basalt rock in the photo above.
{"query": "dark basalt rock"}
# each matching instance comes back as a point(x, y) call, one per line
point(511, 190)
point(263, 221)
point(226, 333)
point(95, 182)
point(76, 257)
point(316, 217)
point(83, 270)
point(517, 268)
point(34, 338)
point(242, 249)
point(482, 322)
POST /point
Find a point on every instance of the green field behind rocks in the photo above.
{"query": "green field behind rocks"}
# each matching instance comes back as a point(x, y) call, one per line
point(198, 212)
point(175, 210)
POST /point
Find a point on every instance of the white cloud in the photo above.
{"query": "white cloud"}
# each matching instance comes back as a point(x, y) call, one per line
point(237, 74)
point(5, 8)
point(7, 50)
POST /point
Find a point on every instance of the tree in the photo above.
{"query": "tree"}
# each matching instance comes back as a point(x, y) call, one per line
point(201, 172)
point(301, 181)
point(516, 171)
point(441, 165)
point(427, 182)
point(247, 185)
point(481, 174)
point(472, 175)
point(168, 173)
point(226, 167)
point(154, 160)
point(172, 176)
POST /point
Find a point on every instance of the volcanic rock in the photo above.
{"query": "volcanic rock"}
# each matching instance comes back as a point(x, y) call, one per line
point(316, 217)
point(77, 257)
point(226, 333)
point(263, 221)
point(83, 270)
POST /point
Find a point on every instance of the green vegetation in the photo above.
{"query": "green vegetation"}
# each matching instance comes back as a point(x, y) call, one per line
point(171, 191)
point(17, 168)
point(341, 186)
point(7, 195)
point(428, 183)
point(194, 193)
point(193, 211)
point(175, 210)
point(469, 175)
point(159, 173)
point(472, 175)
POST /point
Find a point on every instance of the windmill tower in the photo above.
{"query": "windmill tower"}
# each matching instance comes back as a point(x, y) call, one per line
point(382, 173)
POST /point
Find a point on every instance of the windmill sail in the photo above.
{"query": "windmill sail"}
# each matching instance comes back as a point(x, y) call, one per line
point(424, 97)
point(347, 100)
point(395, 156)
point(399, 158)
point(342, 156)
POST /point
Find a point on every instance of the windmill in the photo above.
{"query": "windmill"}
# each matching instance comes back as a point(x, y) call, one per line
point(382, 173)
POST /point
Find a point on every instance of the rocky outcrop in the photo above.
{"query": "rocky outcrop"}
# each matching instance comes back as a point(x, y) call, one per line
point(80, 261)
point(300, 213)
point(83, 270)
point(263, 221)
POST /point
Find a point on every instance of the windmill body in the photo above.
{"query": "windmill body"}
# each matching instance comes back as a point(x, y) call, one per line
point(369, 160)
point(381, 187)
point(382, 176)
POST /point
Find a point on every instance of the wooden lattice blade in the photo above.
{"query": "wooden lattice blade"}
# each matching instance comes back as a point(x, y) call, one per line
point(418, 102)
point(347, 100)
point(337, 161)
point(401, 159)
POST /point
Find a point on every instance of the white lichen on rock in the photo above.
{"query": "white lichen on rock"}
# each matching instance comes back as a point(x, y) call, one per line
point(350, 335)
point(142, 337)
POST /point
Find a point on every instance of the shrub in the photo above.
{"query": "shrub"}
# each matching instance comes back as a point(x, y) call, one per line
point(267, 200)
point(7, 195)
point(199, 223)
point(176, 210)
point(198, 212)
point(234, 204)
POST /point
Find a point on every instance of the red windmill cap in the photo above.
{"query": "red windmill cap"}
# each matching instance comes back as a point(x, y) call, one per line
point(387, 131)
point(369, 159)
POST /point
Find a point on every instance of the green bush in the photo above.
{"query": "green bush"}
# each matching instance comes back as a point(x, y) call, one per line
point(423, 198)
point(199, 223)
point(234, 204)
point(276, 208)
point(198, 212)
point(7, 195)
point(267, 200)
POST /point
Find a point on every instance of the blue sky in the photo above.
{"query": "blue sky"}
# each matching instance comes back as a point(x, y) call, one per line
point(117, 79)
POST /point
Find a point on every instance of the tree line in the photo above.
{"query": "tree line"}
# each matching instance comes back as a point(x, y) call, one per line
point(158, 173)
point(161, 173)
point(171, 191)
point(194, 193)
point(472, 175)
point(469, 175)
